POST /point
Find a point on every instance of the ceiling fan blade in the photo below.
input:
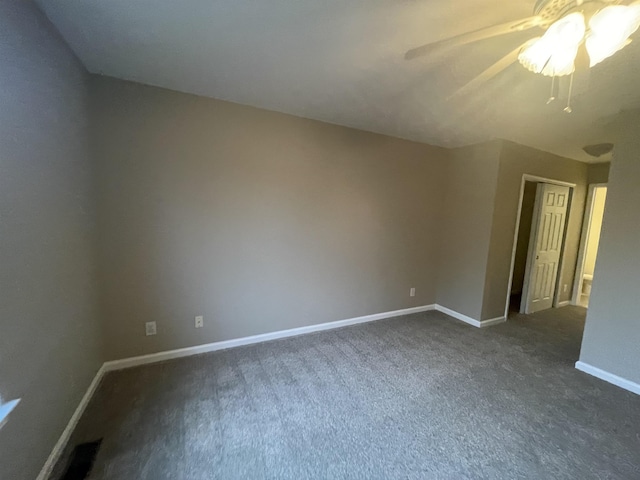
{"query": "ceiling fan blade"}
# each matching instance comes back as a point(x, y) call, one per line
point(490, 72)
point(474, 36)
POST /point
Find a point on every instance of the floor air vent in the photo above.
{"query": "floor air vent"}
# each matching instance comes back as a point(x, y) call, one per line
point(82, 460)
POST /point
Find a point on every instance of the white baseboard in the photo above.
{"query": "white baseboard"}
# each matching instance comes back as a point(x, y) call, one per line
point(265, 337)
point(469, 320)
point(492, 321)
point(609, 377)
point(185, 352)
point(212, 347)
point(64, 438)
point(459, 316)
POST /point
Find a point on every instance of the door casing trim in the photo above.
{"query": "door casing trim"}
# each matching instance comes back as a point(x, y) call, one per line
point(582, 250)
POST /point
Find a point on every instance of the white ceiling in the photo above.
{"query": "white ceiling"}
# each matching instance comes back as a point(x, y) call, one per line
point(341, 61)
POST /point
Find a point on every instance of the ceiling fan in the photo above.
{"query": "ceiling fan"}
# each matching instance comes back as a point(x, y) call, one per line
point(579, 34)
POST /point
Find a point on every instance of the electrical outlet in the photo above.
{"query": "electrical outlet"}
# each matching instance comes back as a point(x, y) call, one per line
point(566, 287)
point(199, 321)
point(150, 328)
point(412, 292)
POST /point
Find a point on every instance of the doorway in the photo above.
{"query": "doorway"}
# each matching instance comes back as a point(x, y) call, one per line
point(522, 245)
point(591, 228)
point(538, 248)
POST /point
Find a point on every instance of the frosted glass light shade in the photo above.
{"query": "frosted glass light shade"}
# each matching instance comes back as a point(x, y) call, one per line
point(610, 30)
point(555, 52)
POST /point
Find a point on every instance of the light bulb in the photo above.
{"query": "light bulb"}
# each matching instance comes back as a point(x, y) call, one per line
point(554, 53)
point(610, 29)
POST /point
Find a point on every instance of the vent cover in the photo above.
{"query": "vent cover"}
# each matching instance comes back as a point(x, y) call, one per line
point(82, 460)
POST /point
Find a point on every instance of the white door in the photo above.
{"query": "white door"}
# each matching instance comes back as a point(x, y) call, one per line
point(545, 246)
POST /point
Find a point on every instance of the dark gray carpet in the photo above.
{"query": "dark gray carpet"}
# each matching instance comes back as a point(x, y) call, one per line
point(421, 396)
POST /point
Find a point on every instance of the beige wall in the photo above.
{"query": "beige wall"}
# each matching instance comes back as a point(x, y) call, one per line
point(50, 346)
point(593, 238)
point(516, 160)
point(612, 332)
point(261, 221)
point(478, 220)
point(465, 226)
point(598, 172)
point(257, 220)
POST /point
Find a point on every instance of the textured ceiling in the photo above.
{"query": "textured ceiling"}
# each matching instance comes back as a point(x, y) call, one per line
point(341, 61)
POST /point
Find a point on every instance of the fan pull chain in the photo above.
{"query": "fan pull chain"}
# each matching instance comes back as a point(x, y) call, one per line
point(568, 108)
point(551, 95)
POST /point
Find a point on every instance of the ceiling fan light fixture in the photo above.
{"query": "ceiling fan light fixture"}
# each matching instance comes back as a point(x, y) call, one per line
point(610, 30)
point(571, 44)
point(554, 53)
point(599, 149)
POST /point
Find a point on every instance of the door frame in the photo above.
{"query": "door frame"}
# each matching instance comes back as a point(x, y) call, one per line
point(582, 250)
point(536, 179)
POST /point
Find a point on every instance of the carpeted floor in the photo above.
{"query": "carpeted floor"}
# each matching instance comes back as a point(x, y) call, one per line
point(421, 396)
